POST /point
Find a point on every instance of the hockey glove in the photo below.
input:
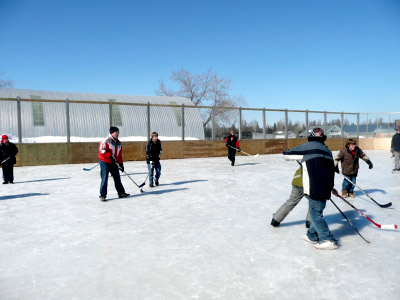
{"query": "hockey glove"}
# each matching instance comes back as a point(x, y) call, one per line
point(370, 164)
point(337, 169)
point(239, 149)
point(121, 167)
point(152, 164)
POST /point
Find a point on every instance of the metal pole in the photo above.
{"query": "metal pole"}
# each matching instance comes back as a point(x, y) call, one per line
point(183, 122)
point(389, 122)
point(213, 123)
point(19, 120)
point(110, 112)
point(264, 125)
point(306, 123)
point(68, 121)
point(367, 125)
point(358, 125)
point(286, 124)
point(240, 123)
point(148, 120)
point(341, 124)
point(377, 124)
point(325, 121)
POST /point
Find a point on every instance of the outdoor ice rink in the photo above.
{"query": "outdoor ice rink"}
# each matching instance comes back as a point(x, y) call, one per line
point(204, 233)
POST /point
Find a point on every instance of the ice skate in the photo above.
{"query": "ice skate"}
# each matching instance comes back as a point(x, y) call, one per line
point(326, 245)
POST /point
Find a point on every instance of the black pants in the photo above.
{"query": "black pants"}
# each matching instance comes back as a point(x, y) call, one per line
point(231, 154)
point(8, 171)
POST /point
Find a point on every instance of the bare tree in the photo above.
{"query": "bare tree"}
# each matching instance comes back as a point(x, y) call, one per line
point(6, 83)
point(206, 89)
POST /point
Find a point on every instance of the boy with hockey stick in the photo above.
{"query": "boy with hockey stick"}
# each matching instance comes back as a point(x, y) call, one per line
point(110, 152)
point(318, 173)
point(231, 142)
point(153, 156)
point(349, 157)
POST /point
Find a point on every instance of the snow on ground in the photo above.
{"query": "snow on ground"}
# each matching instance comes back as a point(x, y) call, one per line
point(204, 233)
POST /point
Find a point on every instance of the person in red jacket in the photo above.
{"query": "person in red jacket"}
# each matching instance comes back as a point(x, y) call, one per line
point(110, 155)
point(232, 142)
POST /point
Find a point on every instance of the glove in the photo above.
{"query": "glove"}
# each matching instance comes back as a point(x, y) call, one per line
point(370, 164)
point(121, 167)
point(337, 169)
point(152, 164)
point(112, 157)
point(239, 149)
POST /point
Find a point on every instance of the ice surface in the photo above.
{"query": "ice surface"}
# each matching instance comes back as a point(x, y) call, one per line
point(204, 233)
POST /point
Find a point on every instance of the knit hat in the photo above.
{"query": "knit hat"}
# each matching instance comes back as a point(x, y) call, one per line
point(3, 137)
point(397, 128)
point(316, 134)
point(113, 129)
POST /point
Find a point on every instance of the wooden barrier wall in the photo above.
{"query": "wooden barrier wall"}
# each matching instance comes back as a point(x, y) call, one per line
point(74, 153)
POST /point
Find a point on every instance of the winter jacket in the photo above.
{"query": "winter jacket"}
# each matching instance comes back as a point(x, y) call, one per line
point(8, 150)
point(349, 162)
point(297, 179)
point(318, 169)
point(110, 147)
point(232, 141)
point(395, 146)
point(153, 151)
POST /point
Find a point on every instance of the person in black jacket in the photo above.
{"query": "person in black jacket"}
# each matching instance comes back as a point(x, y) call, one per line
point(395, 149)
point(318, 174)
point(153, 156)
point(8, 151)
point(232, 143)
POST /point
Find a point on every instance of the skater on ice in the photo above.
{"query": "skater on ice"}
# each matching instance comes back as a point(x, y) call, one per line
point(153, 156)
point(232, 143)
point(318, 174)
point(349, 157)
point(8, 151)
point(110, 154)
point(395, 149)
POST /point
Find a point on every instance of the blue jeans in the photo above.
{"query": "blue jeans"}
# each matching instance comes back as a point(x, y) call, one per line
point(157, 167)
point(319, 230)
point(347, 186)
point(106, 168)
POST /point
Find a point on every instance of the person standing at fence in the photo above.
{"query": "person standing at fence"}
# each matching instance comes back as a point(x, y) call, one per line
point(232, 143)
point(349, 157)
point(8, 151)
point(110, 155)
point(395, 149)
point(153, 156)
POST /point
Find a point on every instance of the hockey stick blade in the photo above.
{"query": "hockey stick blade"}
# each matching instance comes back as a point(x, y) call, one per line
point(394, 226)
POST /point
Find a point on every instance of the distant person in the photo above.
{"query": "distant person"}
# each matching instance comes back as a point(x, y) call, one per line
point(8, 151)
point(232, 143)
point(153, 156)
point(395, 149)
point(349, 157)
point(110, 154)
point(318, 174)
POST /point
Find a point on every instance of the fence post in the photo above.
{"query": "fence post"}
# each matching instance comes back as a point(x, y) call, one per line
point(367, 125)
point(341, 124)
point(358, 125)
point(306, 123)
point(213, 123)
point(240, 123)
point(264, 125)
point(286, 123)
point(325, 121)
point(68, 121)
point(183, 122)
point(377, 124)
point(389, 122)
point(19, 120)
point(110, 112)
point(148, 120)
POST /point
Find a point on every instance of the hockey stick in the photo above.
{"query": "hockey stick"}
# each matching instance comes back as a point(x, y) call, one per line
point(243, 151)
point(5, 160)
point(139, 186)
point(381, 205)
point(394, 226)
point(148, 174)
point(354, 227)
point(85, 169)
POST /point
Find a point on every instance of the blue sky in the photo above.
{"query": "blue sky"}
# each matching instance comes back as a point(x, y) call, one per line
point(317, 55)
